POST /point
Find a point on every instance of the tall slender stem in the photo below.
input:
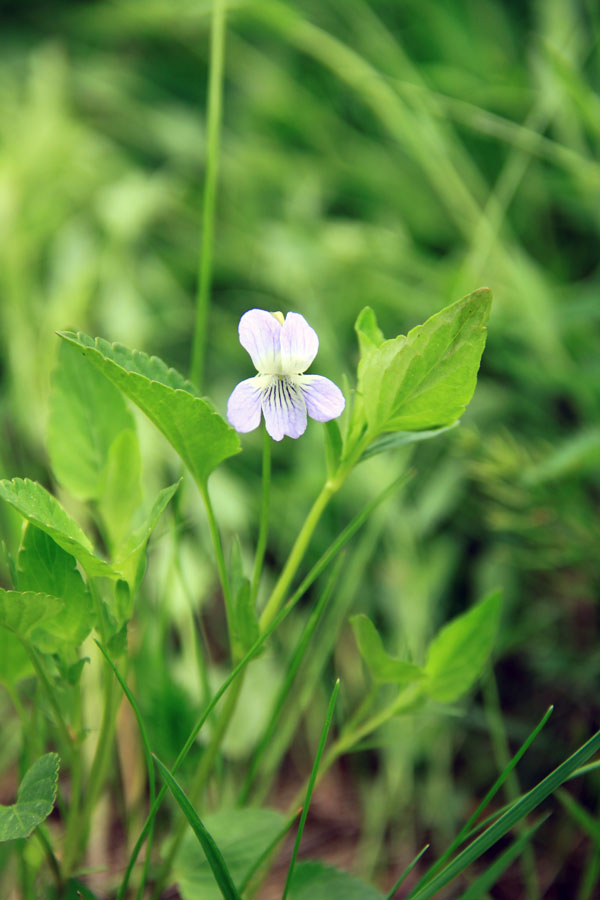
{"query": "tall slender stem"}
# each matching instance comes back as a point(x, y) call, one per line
point(220, 558)
point(261, 543)
point(213, 133)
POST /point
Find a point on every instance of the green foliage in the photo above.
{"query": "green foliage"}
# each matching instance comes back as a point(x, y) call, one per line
point(23, 611)
point(43, 566)
point(243, 836)
point(45, 512)
point(35, 799)
point(120, 488)
point(197, 432)
point(316, 881)
point(384, 668)
point(214, 857)
point(458, 653)
point(87, 414)
point(424, 380)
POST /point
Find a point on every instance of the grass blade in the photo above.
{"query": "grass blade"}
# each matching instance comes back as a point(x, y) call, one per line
point(517, 811)
point(211, 851)
point(407, 872)
point(310, 788)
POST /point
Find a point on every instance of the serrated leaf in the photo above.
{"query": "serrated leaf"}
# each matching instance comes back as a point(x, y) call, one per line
point(201, 437)
point(316, 881)
point(23, 611)
point(120, 487)
point(45, 567)
point(44, 511)
point(87, 413)
point(243, 836)
point(425, 380)
point(35, 800)
point(384, 668)
point(457, 654)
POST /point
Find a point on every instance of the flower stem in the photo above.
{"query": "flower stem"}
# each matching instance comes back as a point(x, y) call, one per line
point(261, 543)
point(220, 559)
point(213, 132)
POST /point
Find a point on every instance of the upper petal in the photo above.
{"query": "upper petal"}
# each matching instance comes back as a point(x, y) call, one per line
point(299, 344)
point(243, 406)
point(260, 335)
point(284, 409)
point(324, 400)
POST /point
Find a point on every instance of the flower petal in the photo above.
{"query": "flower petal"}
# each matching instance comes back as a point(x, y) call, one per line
point(284, 409)
point(260, 335)
point(324, 400)
point(243, 406)
point(299, 344)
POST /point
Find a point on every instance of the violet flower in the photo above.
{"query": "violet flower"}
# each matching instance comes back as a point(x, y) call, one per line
point(281, 350)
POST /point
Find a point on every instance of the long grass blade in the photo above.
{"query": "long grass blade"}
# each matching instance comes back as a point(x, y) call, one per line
point(407, 872)
point(213, 855)
point(491, 875)
point(517, 811)
point(311, 785)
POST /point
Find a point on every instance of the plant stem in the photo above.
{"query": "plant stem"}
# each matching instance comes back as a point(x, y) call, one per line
point(220, 559)
point(261, 543)
point(213, 132)
point(41, 835)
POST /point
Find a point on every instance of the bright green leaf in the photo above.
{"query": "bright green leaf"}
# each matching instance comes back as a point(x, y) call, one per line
point(201, 437)
point(23, 611)
point(457, 654)
point(425, 380)
point(35, 800)
point(45, 567)
point(384, 668)
point(243, 836)
point(45, 512)
point(401, 438)
point(370, 335)
point(87, 413)
point(316, 881)
point(120, 489)
point(15, 664)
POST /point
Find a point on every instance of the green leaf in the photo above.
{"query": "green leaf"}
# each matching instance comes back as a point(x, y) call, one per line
point(316, 881)
point(245, 620)
point(370, 335)
point(130, 556)
point(24, 611)
point(457, 654)
point(87, 413)
point(201, 437)
point(15, 664)
point(45, 567)
point(333, 446)
point(384, 668)
point(45, 512)
point(120, 489)
point(35, 800)
point(401, 438)
point(243, 835)
point(215, 859)
point(425, 380)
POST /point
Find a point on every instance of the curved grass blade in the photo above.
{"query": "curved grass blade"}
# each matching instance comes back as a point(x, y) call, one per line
point(407, 872)
point(211, 851)
point(517, 811)
point(147, 757)
point(310, 788)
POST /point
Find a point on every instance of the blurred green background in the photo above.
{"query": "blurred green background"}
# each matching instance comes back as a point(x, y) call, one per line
point(389, 153)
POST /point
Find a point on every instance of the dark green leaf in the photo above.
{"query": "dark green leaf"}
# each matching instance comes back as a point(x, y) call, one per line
point(316, 881)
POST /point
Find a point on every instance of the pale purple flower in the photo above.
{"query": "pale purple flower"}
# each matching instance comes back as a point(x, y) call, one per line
point(281, 350)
